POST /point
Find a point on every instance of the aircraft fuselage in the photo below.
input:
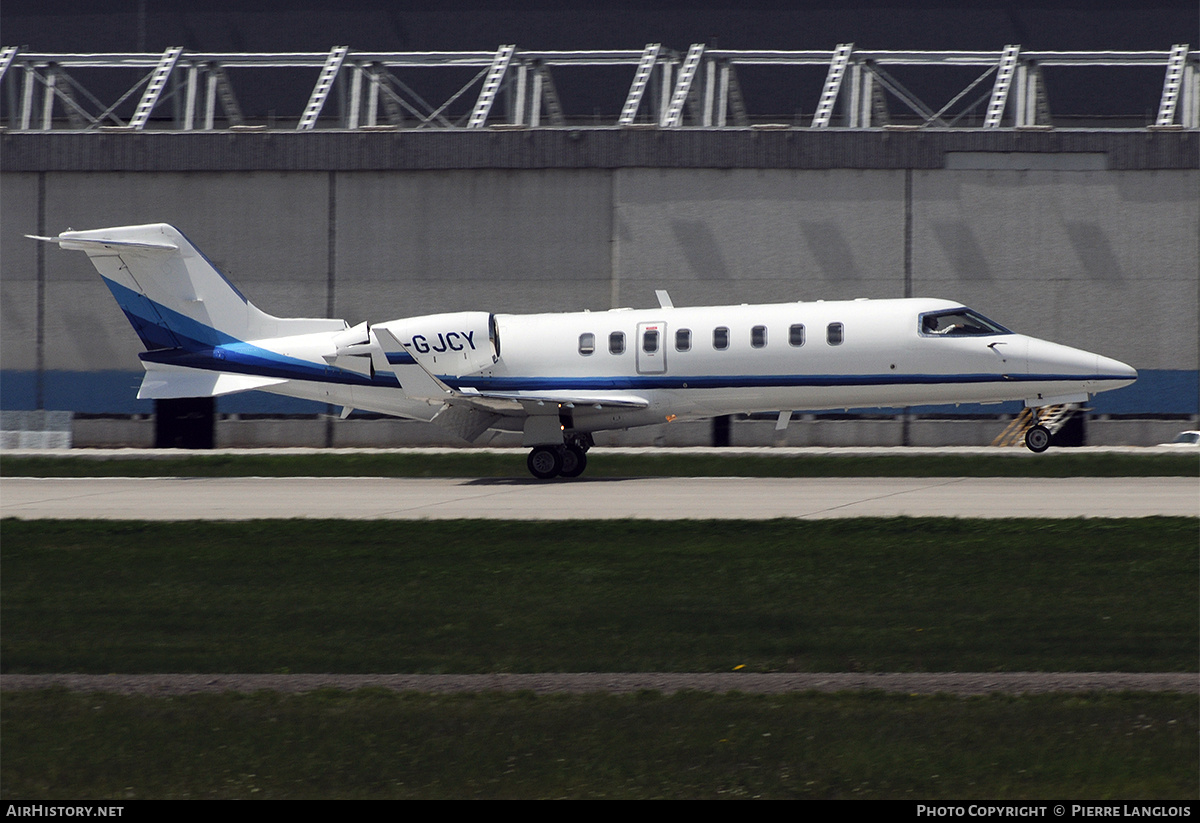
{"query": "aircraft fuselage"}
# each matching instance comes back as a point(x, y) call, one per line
point(557, 378)
point(703, 361)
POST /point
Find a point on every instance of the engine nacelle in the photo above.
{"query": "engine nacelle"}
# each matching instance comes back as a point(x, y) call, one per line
point(449, 344)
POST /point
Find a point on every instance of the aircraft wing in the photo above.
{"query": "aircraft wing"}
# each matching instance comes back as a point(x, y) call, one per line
point(421, 383)
point(583, 399)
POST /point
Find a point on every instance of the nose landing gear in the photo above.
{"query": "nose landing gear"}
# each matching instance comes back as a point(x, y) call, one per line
point(1037, 438)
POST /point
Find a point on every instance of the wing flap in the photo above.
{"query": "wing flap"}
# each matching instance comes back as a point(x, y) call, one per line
point(582, 399)
point(465, 420)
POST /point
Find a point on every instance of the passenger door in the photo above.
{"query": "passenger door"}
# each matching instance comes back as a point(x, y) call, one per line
point(651, 351)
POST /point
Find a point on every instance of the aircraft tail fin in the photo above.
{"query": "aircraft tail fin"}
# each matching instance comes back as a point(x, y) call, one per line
point(173, 295)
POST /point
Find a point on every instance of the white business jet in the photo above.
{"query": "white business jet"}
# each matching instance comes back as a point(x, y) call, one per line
point(558, 378)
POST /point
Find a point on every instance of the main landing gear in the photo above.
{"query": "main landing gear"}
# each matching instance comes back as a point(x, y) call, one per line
point(567, 460)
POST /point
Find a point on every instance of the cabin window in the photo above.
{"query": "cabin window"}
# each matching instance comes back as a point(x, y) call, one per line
point(587, 343)
point(616, 343)
point(721, 338)
point(683, 340)
point(796, 334)
point(650, 341)
point(834, 334)
point(758, 337)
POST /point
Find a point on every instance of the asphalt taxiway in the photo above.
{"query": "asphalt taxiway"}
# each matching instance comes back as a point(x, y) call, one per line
point(961, 683)
point(672, 498)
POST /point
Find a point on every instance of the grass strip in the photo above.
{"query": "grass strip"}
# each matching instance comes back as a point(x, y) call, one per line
point(375, 744)
point(904, 594)
point(474, 464)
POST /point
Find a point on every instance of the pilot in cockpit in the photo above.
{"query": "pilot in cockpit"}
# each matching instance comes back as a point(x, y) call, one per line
point(931, 326)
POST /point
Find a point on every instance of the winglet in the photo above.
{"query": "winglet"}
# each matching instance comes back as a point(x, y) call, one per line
point(419, 382)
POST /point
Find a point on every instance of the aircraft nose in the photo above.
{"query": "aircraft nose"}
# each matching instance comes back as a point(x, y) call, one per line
point(1110, 369)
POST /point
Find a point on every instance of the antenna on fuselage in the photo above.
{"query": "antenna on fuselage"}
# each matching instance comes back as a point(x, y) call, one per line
point(664, 299)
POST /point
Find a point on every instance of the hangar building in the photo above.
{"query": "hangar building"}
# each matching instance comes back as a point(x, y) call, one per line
point(362, 199)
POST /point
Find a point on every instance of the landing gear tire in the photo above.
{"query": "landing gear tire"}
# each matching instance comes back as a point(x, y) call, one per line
point(574, 461)
point(1037, 439)
point(545, 462)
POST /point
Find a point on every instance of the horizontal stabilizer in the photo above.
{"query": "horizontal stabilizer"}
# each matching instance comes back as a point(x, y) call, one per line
point(97, 245)
point(165, 384)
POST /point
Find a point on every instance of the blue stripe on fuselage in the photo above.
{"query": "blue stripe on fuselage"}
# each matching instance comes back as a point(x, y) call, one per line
point(739, 381)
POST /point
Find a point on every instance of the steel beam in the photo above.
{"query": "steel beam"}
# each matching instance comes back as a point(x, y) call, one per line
point(702, 85)
point(316, 101)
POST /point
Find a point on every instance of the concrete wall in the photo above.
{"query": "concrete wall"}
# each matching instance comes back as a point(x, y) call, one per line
point(422, 242)
point(231, 432)
point(1104, 260)
point(743, 236)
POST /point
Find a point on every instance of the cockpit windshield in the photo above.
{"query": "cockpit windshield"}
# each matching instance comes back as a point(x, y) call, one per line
point(958, 323)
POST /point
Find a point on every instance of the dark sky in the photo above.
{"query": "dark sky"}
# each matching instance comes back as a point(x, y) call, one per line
point(315, 25)
point(376, 25)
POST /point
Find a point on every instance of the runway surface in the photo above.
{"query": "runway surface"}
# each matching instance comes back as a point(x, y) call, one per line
point(242, 498)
